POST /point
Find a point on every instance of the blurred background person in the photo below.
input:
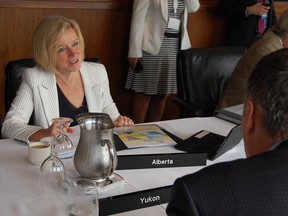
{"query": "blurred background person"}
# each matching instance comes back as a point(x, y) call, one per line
point(247, 20)
point(60, 85)
point(158, 30)
point(273, 39)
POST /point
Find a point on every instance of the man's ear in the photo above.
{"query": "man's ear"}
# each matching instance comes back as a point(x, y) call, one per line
point(250, 114)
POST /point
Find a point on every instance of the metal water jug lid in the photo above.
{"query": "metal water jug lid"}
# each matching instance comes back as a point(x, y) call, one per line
point(95, 121)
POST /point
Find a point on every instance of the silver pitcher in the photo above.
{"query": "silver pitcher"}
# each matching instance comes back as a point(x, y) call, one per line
point(95, 156)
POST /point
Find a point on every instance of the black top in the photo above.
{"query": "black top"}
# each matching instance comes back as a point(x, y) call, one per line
point(69, 110)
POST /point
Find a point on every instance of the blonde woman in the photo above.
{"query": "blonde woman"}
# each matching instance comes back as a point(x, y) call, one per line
point(61, 84)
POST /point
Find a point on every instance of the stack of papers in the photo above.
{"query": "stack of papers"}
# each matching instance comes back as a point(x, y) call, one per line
point(232, 114)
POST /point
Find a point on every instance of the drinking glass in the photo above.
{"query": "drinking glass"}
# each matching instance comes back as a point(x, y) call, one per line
point(66, 144)
point(83, 198)
point(52, 170)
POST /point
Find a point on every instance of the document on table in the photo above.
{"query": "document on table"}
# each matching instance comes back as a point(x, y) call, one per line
point(137, 136)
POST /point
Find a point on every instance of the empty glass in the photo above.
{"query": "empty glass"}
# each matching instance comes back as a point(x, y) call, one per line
point(52, 170)
point(65, 147)
point(83, 198)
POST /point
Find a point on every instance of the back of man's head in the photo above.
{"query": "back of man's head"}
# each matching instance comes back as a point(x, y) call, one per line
point(267, 86)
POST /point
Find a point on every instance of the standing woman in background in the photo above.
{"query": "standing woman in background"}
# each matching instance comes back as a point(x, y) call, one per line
point(158, 30)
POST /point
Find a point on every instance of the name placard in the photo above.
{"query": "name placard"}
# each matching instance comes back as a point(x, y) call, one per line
point(161, 160)
point(135, 200)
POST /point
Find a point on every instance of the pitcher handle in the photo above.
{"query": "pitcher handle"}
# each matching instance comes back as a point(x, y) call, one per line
point(112, 153)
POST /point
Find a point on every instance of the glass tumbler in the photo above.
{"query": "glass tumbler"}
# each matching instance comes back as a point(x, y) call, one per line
point(82, 198)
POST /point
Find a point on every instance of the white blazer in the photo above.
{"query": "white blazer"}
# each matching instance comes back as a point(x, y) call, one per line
point(38, 93)
point(148, 23)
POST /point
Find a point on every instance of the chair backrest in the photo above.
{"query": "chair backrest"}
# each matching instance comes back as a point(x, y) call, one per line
point(202, 74)
point(13, 71)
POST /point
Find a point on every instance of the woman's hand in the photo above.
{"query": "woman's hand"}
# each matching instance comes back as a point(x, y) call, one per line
point(123, 121)
point(53, 130)
point(257, 9)
point(133, 62)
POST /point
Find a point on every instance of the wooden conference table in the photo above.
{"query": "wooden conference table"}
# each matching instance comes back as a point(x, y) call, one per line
point(19, 179)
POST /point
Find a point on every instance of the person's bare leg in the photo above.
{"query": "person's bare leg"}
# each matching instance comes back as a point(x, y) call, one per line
point(156, 108)
point(140, 107)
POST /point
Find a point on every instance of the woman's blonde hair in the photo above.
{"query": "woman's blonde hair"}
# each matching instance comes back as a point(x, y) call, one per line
point(46, 34)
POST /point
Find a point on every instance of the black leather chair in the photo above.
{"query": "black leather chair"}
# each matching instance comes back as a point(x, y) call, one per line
point(202, 74)
point(13, 72)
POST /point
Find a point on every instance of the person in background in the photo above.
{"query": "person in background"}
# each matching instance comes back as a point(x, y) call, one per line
point(273, 39)
point(247, 20)
point(60, 85)
point(256, 185)
point(158, 30)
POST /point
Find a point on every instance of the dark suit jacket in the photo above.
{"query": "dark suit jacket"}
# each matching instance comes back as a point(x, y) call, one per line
point(254, 186)
point(242, 30)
